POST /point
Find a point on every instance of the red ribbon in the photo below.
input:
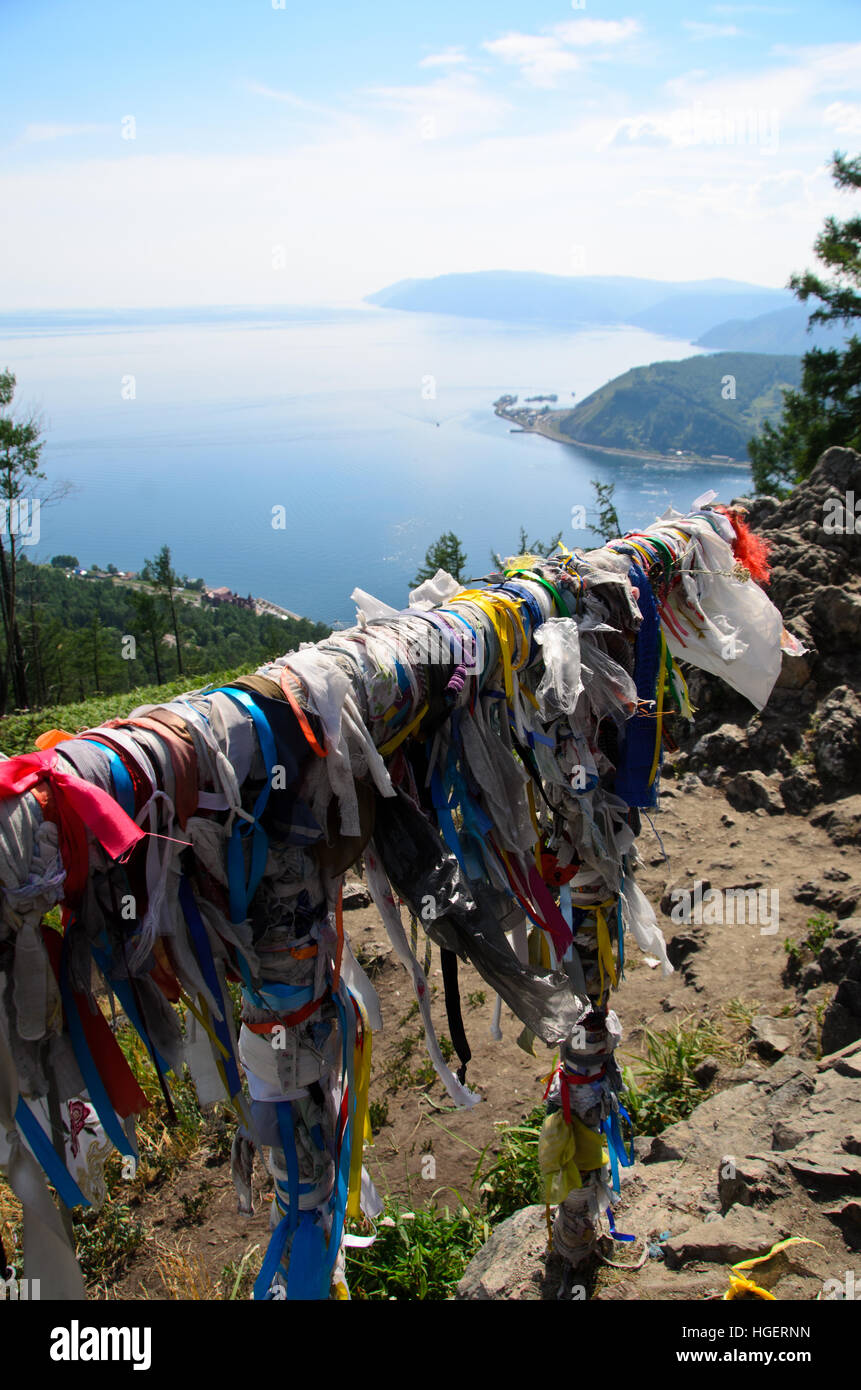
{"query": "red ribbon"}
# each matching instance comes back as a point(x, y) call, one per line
point(79, 807)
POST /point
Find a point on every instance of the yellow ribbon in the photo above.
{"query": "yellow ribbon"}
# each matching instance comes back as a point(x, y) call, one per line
point(605, 950)
point(387, 748)
point(498, 608)
point(662, 681)
point(739, 1285)
point(361, 1122)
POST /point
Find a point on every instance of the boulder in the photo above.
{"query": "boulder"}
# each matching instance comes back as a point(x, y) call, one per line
point(749, 791)
point(770, 1037)
point(840, 960)
point(512, 1264)
point(800, 791)
point(847, 1217)
point(751, 1180)
point(740, 1234)
point(836, 616)
point(841, 820)
point(725, 746)
point(837, 737)
point(705, 1073)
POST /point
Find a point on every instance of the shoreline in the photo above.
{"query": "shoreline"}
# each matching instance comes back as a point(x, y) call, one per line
point(549, 431)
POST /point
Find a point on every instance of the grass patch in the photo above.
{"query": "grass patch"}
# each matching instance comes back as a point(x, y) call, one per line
point(378, 1114)
point(742, 1012)
point(510, 1179)
point(665, 1089)
point(194, 1206)
point(423, 1254)
point(106, 1240)
point(819, 928)
point(417, 1254)
point(18, 732)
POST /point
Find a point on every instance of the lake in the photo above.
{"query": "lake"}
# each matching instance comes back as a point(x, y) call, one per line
point(373, 429)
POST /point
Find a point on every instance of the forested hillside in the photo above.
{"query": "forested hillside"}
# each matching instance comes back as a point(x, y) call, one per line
point(88, 636)
point(709, 405)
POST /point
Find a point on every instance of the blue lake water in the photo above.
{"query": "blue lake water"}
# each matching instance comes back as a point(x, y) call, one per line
point(373, 429)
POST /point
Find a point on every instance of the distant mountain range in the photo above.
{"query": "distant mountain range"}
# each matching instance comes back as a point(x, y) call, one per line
point(782, 330)
point(709, 406)
point(726, 314)
point(682, 309)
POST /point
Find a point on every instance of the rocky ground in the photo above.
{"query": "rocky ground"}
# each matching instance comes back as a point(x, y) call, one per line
point(770, 803)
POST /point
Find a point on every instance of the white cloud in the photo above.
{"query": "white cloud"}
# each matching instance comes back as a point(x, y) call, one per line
point(541, 58)
point(581, 33)
point(757, 113)
point(39, 132)
point(449, 57)
point(844, 117)
point(703, 30)
point(456, 105)
point(792, 88)
point(640, 130)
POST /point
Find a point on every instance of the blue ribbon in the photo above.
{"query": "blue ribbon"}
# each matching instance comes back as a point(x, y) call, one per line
point(210, 975)
point(615, 1144)
point(275, 995)
point(617, 1235)
point(123, 990)
point(123, 786)
point(307, 1259)
point(242, 891)
point(89, 1071)
point(55, 1170)
point(637, 752)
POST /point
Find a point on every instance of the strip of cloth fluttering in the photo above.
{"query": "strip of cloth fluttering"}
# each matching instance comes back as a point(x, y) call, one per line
point(486, 750)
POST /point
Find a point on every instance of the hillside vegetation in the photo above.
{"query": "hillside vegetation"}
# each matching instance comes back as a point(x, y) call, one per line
point(709, 405)
point(18, 732)
point(76, 633)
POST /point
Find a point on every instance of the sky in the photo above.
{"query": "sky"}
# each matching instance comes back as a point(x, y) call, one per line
point(281, 152)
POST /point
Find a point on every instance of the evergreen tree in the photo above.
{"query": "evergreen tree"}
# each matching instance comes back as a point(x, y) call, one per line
point(21, 444)
point(826, 410)
point(166, 580)
point(543, 548)
point(609, 525)
point(445, 554)
point(148, 620)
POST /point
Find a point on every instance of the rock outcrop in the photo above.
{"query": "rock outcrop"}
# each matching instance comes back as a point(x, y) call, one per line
point(801, 755)
point(775, 1157)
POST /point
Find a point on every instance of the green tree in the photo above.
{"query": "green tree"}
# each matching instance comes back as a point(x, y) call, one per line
point(148, 619)
point(826, 410)
point(524, 548)
point(65, 562)
point(21, 445)
point(609, 525)
point(445, 554)
point(166, 581)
